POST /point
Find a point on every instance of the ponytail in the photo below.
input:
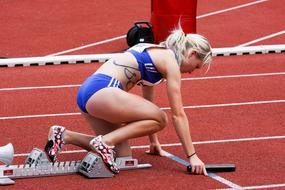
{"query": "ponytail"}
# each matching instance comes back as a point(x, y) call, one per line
point(180, 43)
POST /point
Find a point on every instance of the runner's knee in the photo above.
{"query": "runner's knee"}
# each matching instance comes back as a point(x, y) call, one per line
point(162, 119)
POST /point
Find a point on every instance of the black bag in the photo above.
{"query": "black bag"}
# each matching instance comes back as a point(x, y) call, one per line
point(140, 33)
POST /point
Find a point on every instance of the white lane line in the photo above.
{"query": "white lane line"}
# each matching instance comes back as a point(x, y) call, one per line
point(219, 141)
point(224, 181)
point(39, 87)
point(230, 104)
point(88, 45)
point(183, 79)
point(63, 152)
point(179, 144)
point(259, 187)
point(124, 36)
point(262, 38)
point(40, 115)
point(230, 9)
point(265, 186)
point(212, 175)
point(163, 108)
point(234, 76)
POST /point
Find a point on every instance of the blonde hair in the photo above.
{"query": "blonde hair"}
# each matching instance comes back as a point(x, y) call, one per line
point(181, 43)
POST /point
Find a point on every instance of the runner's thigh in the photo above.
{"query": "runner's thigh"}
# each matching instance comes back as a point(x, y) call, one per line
point(100, 126)
point(117, 106)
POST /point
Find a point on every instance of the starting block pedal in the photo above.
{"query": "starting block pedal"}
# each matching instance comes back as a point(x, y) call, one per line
point(37, 157)
point(92, 166)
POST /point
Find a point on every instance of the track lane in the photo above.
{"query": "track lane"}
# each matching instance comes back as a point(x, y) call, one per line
point(276, 40)
point(257, 164)
point(218, 28)
point(204, 6)
point(151, 185)
point(49, 30)
point(205, 124)
point(46, 75)
point(231, 90)
point(254, 165)
point(42, 29)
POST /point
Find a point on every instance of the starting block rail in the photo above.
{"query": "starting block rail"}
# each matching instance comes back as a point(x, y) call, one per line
point(29, 171)
point(37, 165)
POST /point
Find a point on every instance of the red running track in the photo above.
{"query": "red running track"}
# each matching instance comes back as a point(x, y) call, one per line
point(258, 162)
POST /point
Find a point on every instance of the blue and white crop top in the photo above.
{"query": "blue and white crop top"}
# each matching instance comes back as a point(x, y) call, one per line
point(150, 76)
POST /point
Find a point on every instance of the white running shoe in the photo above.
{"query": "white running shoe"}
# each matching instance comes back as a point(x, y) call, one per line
point(106, 152)
point(55, 142)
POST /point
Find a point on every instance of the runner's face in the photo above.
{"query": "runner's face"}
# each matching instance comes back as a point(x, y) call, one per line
point(191, 63)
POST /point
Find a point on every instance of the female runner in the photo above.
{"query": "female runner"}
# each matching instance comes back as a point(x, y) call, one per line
point(116, 115)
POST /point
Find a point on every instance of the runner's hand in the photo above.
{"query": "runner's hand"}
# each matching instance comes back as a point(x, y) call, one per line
point(155, 149)
point(198, 167)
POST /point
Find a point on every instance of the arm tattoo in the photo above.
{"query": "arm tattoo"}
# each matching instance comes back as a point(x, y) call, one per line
point(129, 73)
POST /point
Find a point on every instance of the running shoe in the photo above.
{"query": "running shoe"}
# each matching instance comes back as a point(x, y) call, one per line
point(55, 142)
point(106, 152)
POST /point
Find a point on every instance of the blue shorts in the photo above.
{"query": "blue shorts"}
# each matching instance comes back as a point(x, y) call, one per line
point(93, 84)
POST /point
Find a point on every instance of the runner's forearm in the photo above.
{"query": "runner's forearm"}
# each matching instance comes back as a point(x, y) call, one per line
point(182, 129)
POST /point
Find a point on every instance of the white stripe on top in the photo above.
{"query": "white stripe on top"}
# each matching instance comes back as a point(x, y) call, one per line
point(110, 83)
point(116, 83)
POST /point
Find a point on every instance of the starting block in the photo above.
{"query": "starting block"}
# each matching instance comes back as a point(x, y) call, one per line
point(38, 165)
point(92, 166)
point(37, 157)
